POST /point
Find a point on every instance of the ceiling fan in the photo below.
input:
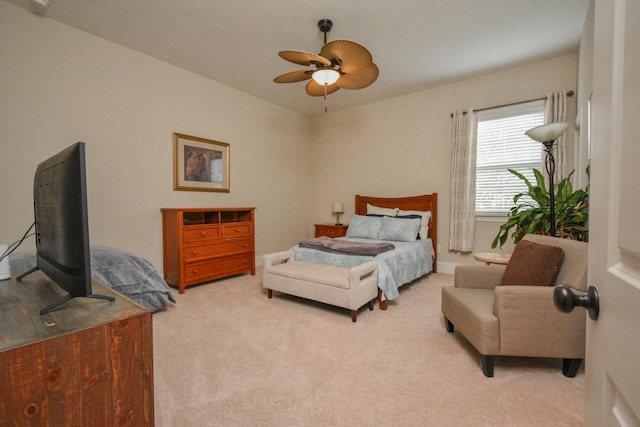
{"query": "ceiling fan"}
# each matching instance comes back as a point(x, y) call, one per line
point(341, 64)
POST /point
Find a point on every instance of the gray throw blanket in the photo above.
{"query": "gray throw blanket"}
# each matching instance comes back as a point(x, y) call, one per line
point(125, 272)
point(338, 246)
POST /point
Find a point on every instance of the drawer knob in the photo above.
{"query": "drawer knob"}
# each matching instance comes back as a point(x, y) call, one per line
point(203, 233)
point(195, 271)
point(237, 230)
point(194, 252)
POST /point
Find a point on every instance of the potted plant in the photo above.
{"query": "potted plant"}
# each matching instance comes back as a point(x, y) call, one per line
point(531, 215)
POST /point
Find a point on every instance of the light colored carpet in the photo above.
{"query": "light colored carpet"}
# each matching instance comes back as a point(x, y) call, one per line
point(226, 355)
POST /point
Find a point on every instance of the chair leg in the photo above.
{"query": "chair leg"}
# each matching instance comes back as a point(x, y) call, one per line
point(354, 315)
point(371, 304)
point(570, 367)
point(269, 293)
point(487, 365)
point(450, 327)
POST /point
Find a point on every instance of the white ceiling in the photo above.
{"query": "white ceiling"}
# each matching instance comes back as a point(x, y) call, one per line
point(417, 44)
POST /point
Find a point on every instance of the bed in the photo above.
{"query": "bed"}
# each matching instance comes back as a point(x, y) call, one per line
point(408, 261)
point(122, 271)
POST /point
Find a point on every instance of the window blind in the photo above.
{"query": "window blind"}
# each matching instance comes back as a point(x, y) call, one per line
point(502, 145)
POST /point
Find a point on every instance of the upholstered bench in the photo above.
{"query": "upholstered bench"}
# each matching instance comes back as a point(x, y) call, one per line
point(349, 288)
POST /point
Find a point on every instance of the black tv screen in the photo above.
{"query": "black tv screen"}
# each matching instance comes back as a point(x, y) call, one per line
point(62, 223)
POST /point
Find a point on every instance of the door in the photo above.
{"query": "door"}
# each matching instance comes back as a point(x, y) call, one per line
point(612, 390)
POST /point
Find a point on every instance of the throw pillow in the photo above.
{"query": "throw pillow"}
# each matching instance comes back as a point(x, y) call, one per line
point(533, 264)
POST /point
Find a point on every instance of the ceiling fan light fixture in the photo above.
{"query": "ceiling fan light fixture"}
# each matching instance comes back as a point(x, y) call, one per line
point(341, 64)
point(325, 76)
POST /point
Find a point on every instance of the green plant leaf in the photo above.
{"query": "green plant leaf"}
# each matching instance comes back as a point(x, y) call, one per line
point(531, 210)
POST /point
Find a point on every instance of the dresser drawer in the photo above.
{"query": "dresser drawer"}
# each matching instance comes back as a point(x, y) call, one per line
point(192, 253)
point(200, 272)
point(201, 234)
point(232, 230)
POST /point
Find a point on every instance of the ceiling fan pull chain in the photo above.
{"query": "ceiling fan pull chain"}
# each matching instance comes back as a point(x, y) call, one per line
point(325, 98)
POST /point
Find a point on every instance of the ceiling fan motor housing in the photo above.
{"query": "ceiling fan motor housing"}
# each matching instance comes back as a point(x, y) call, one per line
point(325, 26)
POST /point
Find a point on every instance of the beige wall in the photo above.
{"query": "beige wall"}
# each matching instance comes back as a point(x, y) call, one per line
point(401, 147)
point(59, 85)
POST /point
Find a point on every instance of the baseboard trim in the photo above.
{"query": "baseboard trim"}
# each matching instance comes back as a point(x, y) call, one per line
point(446, 267)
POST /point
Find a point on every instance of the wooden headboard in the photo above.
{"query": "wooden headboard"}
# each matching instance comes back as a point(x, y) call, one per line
point(426, 202)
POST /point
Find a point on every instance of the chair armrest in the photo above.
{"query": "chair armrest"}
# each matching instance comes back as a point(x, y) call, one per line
point(276, 258)
point(478, 276)
point(523, 302)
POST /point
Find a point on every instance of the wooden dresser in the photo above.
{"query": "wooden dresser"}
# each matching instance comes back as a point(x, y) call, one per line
point(330, 230)
point(88, 362)
point(202, 244)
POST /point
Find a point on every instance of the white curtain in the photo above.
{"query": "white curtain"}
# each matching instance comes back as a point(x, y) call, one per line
point(555, 110)
point(463, 181)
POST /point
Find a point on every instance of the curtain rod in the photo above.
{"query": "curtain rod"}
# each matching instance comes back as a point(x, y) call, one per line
point(570, 93)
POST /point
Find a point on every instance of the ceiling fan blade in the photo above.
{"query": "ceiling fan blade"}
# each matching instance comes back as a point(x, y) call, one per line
point(359, 80)
point(315, 89)
point(303, 58)
point(353, 56)
point(294, 76)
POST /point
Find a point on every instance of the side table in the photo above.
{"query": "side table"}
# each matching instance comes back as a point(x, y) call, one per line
point(492, 258)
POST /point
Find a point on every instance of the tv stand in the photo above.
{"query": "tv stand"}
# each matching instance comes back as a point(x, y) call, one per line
point(88, 364)
point(64, 298)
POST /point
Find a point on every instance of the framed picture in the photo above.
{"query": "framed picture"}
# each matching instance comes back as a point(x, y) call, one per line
point(200, 164)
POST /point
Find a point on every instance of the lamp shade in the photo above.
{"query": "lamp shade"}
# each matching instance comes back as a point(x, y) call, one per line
point(337, 208)
point(325, 76)
point(548, 132)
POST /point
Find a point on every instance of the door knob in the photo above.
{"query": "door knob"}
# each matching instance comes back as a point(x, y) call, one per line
point(565, 300)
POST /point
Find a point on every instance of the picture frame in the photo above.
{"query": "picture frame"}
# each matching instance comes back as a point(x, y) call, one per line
point(200, 164)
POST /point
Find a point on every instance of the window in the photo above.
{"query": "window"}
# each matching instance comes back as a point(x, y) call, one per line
point(502, 145)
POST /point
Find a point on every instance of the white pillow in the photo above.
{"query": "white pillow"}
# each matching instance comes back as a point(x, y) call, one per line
point(424, 225)
point(376, 210)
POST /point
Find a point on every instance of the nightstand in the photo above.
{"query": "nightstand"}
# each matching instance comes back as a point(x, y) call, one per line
point(330, 230)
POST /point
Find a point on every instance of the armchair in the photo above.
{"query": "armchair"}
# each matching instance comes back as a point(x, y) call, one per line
point(508, 320)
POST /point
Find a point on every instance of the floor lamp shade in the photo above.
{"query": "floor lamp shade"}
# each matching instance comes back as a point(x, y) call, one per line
point(549, 132)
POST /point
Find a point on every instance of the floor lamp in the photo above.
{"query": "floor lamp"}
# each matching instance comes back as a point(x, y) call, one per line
point(547, 135)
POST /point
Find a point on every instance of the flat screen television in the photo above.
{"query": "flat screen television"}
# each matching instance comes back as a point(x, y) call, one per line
point(62, 224)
